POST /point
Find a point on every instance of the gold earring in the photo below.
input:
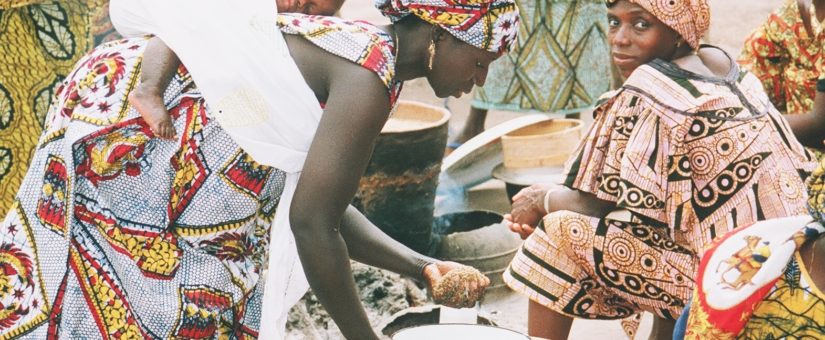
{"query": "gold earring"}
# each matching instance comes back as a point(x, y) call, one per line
point(679, 44)
point(432, 54)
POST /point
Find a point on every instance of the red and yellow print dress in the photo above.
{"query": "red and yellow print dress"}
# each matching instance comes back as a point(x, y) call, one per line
point(783, 55)
point(116, 234)
point(686, 159)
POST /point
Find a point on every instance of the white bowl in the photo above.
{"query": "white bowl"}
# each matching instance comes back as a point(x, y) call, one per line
point(458, 331)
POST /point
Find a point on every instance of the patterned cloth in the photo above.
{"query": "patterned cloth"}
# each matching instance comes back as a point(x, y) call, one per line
point(783, 302)
point(40, 41)
point(782, 291)
point(752, 284)
point(785, 57)
point(796, 300)
point(115, 234)
point(685, 158)
point(689, 18)
point(558, 63)
point(820, 66)
point(775, 297)
point(816, 192)
point(490, 25)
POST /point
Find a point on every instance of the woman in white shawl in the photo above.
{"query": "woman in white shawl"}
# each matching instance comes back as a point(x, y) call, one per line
point(115, 234)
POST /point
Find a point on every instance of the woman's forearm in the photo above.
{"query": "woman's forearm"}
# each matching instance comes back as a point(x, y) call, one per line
point(564, 198)
point(809, 128)
point(326, 264)
point(375, 248)
point(337, 157)
point(805, 128)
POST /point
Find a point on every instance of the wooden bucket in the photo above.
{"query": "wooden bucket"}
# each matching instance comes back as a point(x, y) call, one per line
point(397, 191)
point(544, 144)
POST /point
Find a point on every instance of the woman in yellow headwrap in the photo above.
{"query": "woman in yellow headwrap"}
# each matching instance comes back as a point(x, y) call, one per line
point(686, 150)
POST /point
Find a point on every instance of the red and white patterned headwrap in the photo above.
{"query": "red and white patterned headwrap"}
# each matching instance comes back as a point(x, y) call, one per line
point(689, 18)
point(490, 25)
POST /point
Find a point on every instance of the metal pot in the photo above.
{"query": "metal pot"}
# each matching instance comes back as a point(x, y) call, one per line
point(478, 239)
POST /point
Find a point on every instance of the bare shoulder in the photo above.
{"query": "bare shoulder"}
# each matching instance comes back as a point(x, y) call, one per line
point(708, 62)
point(716, 60)
point(326, 72)
point(354, 87)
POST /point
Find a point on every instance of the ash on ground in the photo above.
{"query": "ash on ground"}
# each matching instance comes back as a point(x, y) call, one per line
point(383, 294)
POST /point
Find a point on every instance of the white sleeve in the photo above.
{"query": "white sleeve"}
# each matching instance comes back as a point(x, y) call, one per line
point(238, 57)
point(130, 18)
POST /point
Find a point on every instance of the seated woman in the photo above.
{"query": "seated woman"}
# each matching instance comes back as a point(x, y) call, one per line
point(686, 150)
point(783, 281)
point(115, 234)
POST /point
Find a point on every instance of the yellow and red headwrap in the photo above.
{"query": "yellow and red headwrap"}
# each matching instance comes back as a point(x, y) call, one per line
point(490, 25)
point(689, 18)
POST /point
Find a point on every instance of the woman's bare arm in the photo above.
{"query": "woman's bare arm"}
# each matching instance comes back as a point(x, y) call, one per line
point(579, 202)
point(357, 105)
point(529, 206)
point(809, 128)
point(369, 245)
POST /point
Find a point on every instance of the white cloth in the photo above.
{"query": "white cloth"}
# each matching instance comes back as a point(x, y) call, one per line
point(237, 56)
point(240, 61)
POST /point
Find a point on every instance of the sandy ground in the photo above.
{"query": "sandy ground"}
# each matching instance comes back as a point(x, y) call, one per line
point(732, 22)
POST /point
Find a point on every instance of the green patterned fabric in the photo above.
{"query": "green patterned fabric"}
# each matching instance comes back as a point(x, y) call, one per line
point(560, 62)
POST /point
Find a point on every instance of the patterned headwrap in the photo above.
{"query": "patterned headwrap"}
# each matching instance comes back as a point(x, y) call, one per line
point(689, 18)
point(490, 25)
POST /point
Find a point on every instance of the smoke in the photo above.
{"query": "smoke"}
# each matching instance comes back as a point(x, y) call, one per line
point(450, 195)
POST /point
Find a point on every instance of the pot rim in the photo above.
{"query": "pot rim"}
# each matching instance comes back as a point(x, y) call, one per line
point(463, 324)
point(426, 125)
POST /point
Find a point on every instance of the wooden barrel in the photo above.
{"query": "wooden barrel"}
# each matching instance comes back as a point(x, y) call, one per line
point(397, 191)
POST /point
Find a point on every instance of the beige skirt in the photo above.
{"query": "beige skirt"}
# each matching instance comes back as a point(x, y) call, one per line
point(610, 268)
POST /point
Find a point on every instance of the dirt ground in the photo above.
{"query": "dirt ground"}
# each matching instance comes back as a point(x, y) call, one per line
point(733, 20)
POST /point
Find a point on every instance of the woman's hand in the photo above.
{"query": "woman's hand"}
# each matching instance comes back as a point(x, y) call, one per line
point(455, 285)
point(523, 230)
point(528, 209)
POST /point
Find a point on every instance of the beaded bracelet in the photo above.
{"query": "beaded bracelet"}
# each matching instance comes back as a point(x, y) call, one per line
point(422, 263)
